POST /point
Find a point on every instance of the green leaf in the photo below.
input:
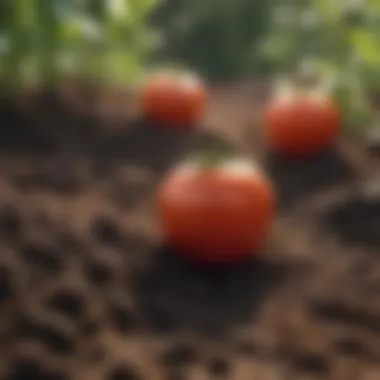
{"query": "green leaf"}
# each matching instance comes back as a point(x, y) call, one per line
point(366, 44)
point(373, 4)
point(329, 9)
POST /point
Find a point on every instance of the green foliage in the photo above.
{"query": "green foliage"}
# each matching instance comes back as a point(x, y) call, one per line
point(213, 37)
point(42, 39)
point(292, 32)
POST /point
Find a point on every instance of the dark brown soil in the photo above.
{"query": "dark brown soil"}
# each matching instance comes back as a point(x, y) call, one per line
point(89, 291)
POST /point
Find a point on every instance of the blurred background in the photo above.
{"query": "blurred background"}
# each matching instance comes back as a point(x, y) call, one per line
point(223, 40)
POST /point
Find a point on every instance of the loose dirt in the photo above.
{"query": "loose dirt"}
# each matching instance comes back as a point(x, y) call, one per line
point(89, 291)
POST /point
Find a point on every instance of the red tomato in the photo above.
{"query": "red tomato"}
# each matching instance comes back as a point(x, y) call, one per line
point(301, 125)
point(173, 99)
point(216, 214)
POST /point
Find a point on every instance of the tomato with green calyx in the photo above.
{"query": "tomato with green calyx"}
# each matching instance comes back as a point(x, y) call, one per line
point(301, 124)
point(173, 99)
point(216, 213)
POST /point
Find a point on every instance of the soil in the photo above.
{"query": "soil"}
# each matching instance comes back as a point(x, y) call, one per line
point(89, 291)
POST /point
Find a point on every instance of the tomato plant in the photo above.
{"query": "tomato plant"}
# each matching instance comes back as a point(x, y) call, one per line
point(217, 213)
point(173, 99)
point(301, 124)
point(339, 41)
point(42, 40)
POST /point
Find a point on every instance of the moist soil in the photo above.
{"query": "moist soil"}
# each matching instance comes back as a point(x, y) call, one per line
point(88, 290)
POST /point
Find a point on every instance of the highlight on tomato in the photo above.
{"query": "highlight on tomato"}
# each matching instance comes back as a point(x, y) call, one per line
point(219, 213)
point(301, 123)
point(173, 98)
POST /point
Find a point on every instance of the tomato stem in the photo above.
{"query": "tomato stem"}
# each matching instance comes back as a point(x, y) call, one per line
point(299, 84)
point(213, 156)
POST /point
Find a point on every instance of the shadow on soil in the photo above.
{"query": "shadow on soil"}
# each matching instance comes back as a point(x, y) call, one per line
point(43, 127)
point(356, 220)
point(153, 146)
point(19, 133)
point(52, 130)
point(344, 314)
point(296, 179)
point(174, 294)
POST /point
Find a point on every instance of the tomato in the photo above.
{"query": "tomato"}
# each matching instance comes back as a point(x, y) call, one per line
point(173, 99)
point(216, 214)
point(301, 125)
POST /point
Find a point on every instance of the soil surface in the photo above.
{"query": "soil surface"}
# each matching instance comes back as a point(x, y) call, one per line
point(89, 291)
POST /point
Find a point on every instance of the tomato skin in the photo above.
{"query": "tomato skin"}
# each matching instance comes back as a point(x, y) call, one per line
point(171, 99)
point(301, 125)
point(216, 215)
